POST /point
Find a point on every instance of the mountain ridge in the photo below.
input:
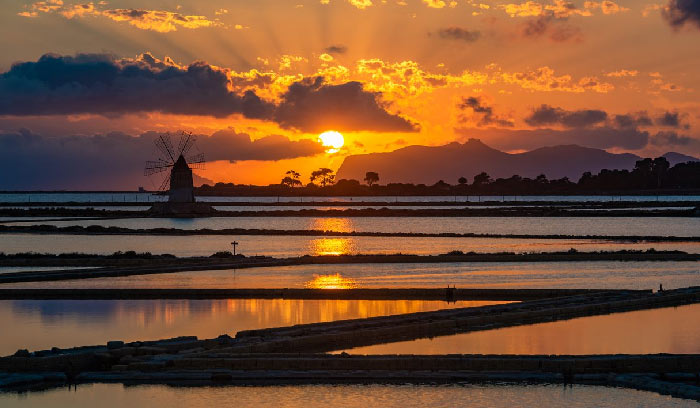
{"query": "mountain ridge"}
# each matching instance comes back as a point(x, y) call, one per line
point(428, 164)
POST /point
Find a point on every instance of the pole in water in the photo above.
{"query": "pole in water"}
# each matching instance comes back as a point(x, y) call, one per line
point(234, 243)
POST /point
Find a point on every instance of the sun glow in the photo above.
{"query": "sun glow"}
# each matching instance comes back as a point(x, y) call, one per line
point(332, 140)
point(336, 281)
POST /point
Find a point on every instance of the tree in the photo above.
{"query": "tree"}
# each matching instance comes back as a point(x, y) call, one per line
point(482, 178)
point(324, 175)
point(371, 177)
point(462, 181)
point(292, 179)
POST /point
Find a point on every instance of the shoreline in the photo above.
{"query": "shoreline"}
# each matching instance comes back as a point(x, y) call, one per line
point(102, 230)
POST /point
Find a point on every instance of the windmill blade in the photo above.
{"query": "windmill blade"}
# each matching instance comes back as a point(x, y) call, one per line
point(153, 167)
point(186, 142)
point(165, 146)
point(165, 186)
point(196, 161)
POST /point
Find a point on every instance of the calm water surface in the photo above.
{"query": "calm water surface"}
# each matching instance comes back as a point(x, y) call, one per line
point(668, 330)
point(345, 396)
point(149, 197)
point(612, 275)
point(42, 324)
point(289, 246)
point(685, 227)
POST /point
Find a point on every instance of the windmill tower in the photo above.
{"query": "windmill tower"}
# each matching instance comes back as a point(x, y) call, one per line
point(177, 164)
point(178, 182)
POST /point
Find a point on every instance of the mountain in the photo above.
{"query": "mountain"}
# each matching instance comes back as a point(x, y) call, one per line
point(428, 164)
point(675, 158)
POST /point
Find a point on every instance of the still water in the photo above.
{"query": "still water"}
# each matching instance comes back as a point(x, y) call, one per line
point(344, 396)
point(42, 324)
point(644, 226)
point(291, 246)
point(87, 197)
point(610, 275)
point(667, 330)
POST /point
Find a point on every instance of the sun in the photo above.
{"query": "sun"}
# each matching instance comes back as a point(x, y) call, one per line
point(332, 140)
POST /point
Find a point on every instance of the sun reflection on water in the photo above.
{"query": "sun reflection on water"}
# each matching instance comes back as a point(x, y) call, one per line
point(332, 224)
point(331, 246)
point(336, 281)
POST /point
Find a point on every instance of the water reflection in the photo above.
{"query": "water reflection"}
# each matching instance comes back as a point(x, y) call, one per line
point(331, 246)
point(344, 396)
point(67, 323)
point(332, 224)
point(667, 330)
point(331, 282)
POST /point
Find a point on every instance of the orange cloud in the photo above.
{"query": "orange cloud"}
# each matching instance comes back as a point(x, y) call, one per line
point(154, 20)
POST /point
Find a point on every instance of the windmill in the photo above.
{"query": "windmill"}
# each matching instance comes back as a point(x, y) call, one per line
point(178, 163)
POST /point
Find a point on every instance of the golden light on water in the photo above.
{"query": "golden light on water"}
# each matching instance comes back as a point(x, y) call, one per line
point(336, 281)
point(332, 224)
point(332, 140)
point(330, 246)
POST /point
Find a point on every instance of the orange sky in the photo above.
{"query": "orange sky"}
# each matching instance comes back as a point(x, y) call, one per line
point(419, 60)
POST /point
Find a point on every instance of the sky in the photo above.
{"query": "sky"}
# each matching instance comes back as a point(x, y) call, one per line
point(86, 87)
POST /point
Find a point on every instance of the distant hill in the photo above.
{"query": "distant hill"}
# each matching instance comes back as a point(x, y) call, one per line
point(428, 164)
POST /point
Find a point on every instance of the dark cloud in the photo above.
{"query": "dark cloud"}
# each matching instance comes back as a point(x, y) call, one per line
point(548, 115)
point(116, 160)
point(670, 139)
point(601, 137)
point(672, 120)
point(312, 106)
point(552, 27)
point(336, 49)
point(103, 84)
point(680, 12)
point(632, 120)
point(457, 33)
point(486, 112)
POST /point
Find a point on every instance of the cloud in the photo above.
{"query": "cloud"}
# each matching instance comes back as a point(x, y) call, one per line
point(544, 79)
point(155, 20)
point(434, 3)
point(670, 119)
point(486, 112)
point(103, 84)
point(632, 120)
point(548, 115)
point(554, 28)
point(670, 139)
point(622, 73)
point(336, 49)
point(116, 160)
point(558, 9)
point(679, 12)
point(460, 34)
point(313, 106)
point(606, 6)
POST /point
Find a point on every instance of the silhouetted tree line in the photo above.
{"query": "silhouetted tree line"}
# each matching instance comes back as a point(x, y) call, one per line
point(648, 175)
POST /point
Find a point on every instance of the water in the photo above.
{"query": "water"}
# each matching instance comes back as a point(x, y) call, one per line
point(149, 197)
point(344, 396)
point(667, 330)
point(624, 226)
point(12, 269)
point(42, 324)
point(602, 275)
point(291, 246)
